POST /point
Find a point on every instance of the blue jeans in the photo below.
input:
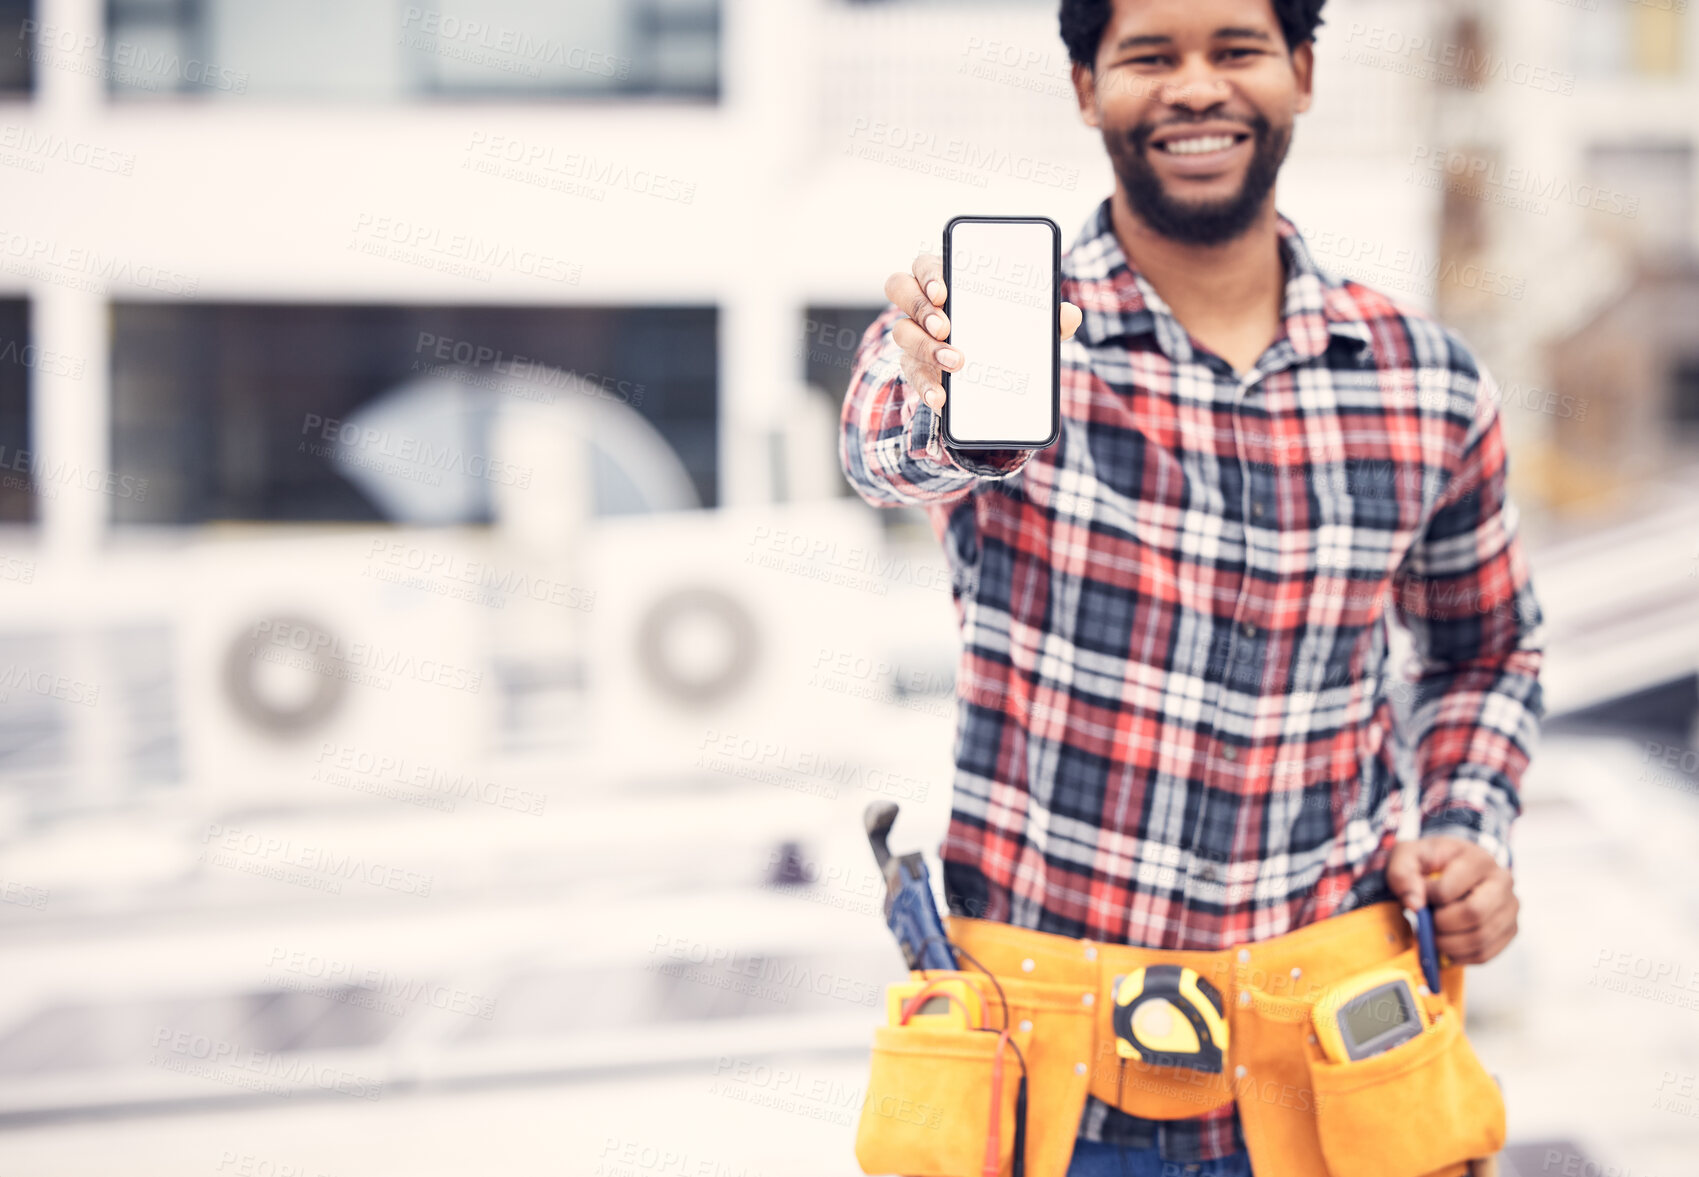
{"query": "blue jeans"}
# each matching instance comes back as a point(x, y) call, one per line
point(1092, 1159)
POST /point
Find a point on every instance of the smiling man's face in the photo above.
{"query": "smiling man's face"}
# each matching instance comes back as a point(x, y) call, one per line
point(1196, 101)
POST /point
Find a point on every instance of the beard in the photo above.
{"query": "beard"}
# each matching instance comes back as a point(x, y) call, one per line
point(1191, 222)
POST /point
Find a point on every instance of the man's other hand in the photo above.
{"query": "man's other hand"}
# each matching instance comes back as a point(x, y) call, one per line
point(1472, 896)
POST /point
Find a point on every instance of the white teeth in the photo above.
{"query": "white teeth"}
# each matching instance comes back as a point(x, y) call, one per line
point(1198, 144)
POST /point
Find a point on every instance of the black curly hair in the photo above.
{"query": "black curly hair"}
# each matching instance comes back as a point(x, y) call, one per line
point(1083, 22)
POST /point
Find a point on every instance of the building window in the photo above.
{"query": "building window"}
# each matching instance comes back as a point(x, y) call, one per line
point(379, 49)
point(1643, 197)
point(1684, 394)
point(17, 358)
point(17, 67)
point(1641, 40)
point(290, 413)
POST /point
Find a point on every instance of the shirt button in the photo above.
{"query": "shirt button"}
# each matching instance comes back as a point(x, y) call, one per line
point(1250, 630)
point(1230, 752)
point(1207, 873)
point(1256, 510)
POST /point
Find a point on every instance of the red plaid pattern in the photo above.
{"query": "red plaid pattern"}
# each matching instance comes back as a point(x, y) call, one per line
point(1177, 725)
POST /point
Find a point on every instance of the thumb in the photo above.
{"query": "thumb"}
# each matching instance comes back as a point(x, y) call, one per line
point(1070, 320)
point(1412, 862)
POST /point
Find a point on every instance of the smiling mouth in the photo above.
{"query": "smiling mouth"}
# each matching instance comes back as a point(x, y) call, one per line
point(1199, 144)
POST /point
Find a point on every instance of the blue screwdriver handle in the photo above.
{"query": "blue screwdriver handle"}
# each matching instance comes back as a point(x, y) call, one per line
point(1426, 947)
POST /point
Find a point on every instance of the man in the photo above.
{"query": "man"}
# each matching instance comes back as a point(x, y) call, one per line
point(1174, 725)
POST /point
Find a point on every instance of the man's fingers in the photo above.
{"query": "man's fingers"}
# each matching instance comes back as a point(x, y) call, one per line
point(1481, 944)
point(924, 347)
point(914, 373)
point(1459, 876)
point(904, 292)
point(1071, 318)
point(929, 276)
point(1478, 908)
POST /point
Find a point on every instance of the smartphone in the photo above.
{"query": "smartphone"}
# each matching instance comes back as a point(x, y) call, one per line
point(1003, 297)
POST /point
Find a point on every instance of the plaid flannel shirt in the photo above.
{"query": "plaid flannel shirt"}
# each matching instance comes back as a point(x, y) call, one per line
point(1174, 725)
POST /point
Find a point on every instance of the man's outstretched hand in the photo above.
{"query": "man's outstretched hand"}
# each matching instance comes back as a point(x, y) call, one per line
point(1472, 896)
point(920, 293)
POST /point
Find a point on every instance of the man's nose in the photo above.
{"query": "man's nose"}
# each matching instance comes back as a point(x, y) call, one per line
point(1195, 86)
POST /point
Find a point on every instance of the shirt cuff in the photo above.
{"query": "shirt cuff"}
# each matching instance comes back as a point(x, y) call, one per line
point(926, 441)
point(1485, 829)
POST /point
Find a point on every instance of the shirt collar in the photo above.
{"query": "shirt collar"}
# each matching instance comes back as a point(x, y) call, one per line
point(1117, 300)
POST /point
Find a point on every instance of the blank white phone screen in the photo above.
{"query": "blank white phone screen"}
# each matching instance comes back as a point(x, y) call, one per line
point(1003, 321)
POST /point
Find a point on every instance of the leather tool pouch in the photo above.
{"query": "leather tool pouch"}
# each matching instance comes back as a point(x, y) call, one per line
point(1423, 1107)
point(927, 1110)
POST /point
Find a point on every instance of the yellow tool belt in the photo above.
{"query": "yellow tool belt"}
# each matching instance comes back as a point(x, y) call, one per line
point(1422, 1108)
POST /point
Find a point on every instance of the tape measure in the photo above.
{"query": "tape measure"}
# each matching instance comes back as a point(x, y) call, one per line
point(1168, 1016)
point(1368, 1013)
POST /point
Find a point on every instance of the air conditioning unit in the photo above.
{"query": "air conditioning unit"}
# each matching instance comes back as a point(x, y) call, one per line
point(340, 667)
point(707, 630)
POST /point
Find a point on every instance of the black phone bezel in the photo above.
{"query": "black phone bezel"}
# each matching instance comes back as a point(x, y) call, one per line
point(1055, 338)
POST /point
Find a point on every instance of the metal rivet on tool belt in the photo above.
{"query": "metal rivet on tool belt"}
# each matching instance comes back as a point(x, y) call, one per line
point(1312, 1037)
point(1091, 953)
point(1079, 1068)
point(1244, 955)
point(1088, 998)
point(1244, 997)
point(1239, 1072)
point(1027, 966)
point(1296, 973)
point(1026, 1025)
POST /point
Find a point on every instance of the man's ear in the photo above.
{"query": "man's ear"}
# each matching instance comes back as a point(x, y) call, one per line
point(1303, 65)
point(1085, 91)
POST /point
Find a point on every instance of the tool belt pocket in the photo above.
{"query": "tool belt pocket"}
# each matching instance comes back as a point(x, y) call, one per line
point(929, 1111)
point(1412, 1109)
